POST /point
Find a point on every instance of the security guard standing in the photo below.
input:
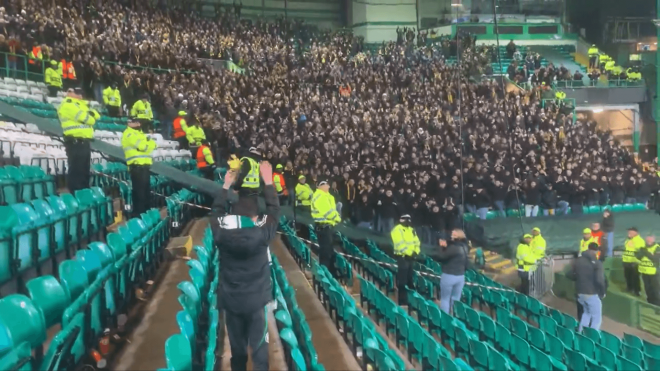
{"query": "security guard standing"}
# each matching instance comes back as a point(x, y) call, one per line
point(593, 56)
point(649, 259)
point(205, 162)
point(526, 260)
point(112, 100)
point(630, 262)
point(304, 193)
point(77, 121)
point(52, 79)
point(280, 184)
point(180, 127)
point(406, 248)
point(142, 111)
point(325, 215)
point(538, 243)
point(195, 136)
point(587, 238)
point(248, 178)
point(137, 151)
point(559, 98)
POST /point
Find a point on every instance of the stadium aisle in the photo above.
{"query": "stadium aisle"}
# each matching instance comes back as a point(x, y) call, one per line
point(332, 350)
point(608, 324)
point(157, 323)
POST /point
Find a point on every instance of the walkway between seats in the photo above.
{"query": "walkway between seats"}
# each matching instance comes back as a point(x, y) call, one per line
point(333, 352)
point(157, 320)
point(608, 324)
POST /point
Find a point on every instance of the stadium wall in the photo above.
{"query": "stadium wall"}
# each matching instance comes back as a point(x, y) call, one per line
point(324, 13)
point(378, 20)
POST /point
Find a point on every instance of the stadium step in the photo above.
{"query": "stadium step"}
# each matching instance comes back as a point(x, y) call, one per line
point(332, 351)
point(495, 263)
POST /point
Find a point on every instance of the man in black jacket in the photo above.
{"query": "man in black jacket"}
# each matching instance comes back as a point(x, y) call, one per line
point(590, 286)
point(245, 283)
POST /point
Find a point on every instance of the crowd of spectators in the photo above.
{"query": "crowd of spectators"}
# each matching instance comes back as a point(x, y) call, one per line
point(409, 133)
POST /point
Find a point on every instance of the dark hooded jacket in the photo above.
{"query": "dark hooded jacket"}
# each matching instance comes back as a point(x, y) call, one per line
point(245, 279)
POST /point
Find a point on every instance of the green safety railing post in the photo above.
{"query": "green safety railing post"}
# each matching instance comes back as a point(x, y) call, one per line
point(25, 68)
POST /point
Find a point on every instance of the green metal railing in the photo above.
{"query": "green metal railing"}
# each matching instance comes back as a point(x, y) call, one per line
point(156, 70)
point(614, 83)
point(18, 66)
point(569, 102)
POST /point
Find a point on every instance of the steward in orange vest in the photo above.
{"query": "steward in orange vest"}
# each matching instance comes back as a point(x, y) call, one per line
point(205, 162)
point(180, 128)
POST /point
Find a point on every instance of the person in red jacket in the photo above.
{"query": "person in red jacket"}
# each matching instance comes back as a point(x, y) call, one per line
point(598, 235)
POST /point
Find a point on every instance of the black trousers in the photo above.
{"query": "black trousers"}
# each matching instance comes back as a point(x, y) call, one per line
point(652, 288)
point(524, 282)
point(245, 329)
point(52, 91)
point(404, 277)
point(631, 273)
point(325, 234)
point(207, 172)
point(141, 188)
point(113, 111)
point(183, 144)
point(580, 309)
point(79, 154)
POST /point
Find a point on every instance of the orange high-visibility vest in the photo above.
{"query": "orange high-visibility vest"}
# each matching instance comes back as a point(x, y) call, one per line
point(178, 131)
point(68, 71)
point(201, 159)
point(35, 55)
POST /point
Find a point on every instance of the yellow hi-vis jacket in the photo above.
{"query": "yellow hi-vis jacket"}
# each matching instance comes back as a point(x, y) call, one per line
point(405, 240)
point(324, 208)
point(251, 180)
point(538, 246)
point(111, 97)
point(137, 147)
point(646, 265)
point(195, 135)
point(584, 244)
point(631, 246)
point(593, 51)
point(77, 119)
point(142, 110)
point(525, 257)
point(277, 182)
point(303, 194)
point(52, 77)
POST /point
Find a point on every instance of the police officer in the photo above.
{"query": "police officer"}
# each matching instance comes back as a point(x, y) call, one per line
point(649, 259)
point(180, 127)
point(195, 136)
point(137, 151)
point(526, 260)
point(280, 184)
point(587, 238)
point(112, 100)
point(248, 178)
point(205, 162)
point(406, 248)
point(245, 285)
point(630, 269)
point(325, 215)
point(538, 243)
point(53, 79)
point(142, 111)
point(304, 193)
point(77, 121)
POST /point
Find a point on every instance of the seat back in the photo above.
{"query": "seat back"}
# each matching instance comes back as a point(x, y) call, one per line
point(49, 297)
point(23, 321)
point(74, 278)
point(8, 222)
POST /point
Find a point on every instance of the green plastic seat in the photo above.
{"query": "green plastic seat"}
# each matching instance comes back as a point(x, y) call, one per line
point(520, 353)
point(105, 254)
point(594, 209)
point(91, 261)
point(624, 364)
point(479, 354)
point(633, 354)
point(536, 337)
point(606, 357)
point(628, 207)
point(73, 278)
point(49, 297)
point(650, 349)
point(17, 358)
point(491, 215)
point(554, 346)
point(592, 334)
point(633, 341)
point(548, 325)
point(187, 328)
point(575, 360)
point(22, 320)
point(611, 342)
point(77, 231)
point(8, 188)
point(178, 353)
point(617, 208)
